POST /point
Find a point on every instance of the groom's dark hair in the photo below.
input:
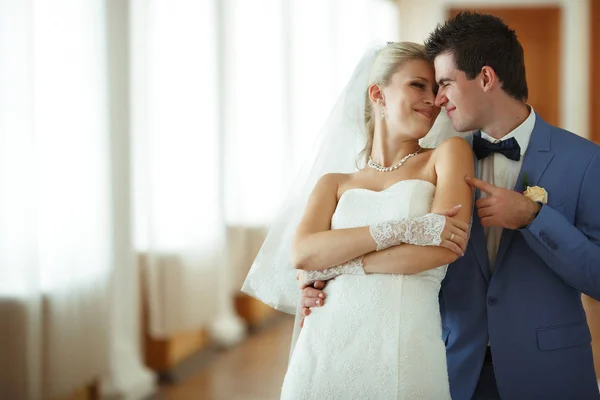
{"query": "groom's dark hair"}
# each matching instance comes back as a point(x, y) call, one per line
point(477, 40)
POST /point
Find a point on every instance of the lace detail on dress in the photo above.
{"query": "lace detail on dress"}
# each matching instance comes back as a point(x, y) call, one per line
point(352, 267)
point(421, 231)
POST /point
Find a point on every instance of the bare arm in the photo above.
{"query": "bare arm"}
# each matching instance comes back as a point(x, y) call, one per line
point(454, 160)
point(316, 247)
point(407, 259)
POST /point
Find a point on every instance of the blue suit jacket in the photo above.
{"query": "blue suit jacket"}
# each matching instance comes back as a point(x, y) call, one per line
point(530, 309)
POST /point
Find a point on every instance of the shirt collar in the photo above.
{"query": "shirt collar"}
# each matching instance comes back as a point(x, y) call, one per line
point(521, 133)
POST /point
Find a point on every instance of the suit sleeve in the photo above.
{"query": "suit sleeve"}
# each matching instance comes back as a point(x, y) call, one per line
point(572, 251)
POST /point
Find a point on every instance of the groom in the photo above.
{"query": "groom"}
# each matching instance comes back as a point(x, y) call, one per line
point(512, 317)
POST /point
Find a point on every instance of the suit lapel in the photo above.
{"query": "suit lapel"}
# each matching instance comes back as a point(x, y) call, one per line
point(477, 238)
point(479, 245)
point(536, 160)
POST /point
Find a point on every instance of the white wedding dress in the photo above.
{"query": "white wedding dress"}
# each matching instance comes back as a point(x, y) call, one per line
point(378, 337)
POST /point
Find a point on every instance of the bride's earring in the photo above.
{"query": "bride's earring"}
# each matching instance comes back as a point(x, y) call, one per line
point(382, 112)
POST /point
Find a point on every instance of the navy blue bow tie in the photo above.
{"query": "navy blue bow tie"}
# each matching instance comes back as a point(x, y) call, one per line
point(509, 148)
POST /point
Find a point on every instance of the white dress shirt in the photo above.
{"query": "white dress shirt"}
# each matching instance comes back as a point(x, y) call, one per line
point(502, 172)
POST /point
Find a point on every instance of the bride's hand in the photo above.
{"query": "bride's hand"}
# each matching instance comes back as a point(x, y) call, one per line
point(455, 235)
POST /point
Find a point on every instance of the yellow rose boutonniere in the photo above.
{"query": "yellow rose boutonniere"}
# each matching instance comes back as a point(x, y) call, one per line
point(536, 194)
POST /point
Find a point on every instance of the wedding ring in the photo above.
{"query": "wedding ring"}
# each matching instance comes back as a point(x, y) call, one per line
point(452, 237)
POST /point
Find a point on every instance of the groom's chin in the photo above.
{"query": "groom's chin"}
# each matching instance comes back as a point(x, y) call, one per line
point(463, 129)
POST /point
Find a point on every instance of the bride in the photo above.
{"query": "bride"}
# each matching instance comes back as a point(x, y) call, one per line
point(386, 233)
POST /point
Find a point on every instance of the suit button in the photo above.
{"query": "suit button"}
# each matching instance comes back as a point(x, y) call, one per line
point(492, 301)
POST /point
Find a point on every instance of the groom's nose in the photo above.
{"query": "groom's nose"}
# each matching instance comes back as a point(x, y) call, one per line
point(440, 99)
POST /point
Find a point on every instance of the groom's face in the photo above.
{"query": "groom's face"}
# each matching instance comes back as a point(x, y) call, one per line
point(460, 96)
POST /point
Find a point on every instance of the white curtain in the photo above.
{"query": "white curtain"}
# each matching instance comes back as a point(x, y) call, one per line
point(57, 197)
point(228, 96)
point(54, 228)
point(128, 378)
point(20, 297)
point(178, 200)
point(73, 208)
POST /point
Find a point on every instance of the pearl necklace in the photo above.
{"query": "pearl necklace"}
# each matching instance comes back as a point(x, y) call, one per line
point(400, 163)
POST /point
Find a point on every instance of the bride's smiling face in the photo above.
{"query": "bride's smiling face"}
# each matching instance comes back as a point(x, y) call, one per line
point(409, 100)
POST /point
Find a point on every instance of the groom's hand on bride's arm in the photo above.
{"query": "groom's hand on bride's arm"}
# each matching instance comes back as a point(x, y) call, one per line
point(312, 296)
point(504, 208)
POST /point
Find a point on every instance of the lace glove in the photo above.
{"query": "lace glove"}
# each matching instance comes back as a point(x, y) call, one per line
point(352, 267)
point(421, 231)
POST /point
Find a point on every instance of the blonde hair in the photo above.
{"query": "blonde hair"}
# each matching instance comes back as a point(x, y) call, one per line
point(386, 64)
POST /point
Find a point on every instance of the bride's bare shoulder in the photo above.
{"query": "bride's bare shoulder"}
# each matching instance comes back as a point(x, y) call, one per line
point(338, 183)
point(332, 181)
point(334, 178)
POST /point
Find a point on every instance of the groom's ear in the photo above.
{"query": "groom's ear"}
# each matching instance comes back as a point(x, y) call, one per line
point(488, 78)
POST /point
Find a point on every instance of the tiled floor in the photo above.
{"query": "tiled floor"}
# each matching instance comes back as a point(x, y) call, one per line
point(252, 371)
